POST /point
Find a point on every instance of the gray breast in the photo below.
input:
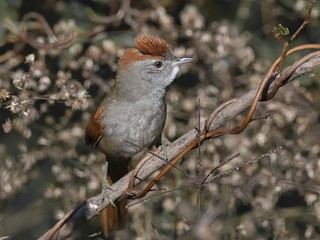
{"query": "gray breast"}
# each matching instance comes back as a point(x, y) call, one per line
point(132, 124)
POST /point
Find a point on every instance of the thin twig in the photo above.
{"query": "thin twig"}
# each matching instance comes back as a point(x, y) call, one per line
point(294, 35)
point(218, 167)
point(237, 168)
point(200, 165)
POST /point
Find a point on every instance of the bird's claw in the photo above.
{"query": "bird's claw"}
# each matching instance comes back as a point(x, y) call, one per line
point(106, 187)
point(104, 192)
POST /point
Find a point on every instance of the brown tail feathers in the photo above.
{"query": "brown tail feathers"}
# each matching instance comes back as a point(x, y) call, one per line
point(113, 219)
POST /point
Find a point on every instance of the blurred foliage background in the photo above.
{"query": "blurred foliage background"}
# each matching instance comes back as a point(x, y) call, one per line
point(58, 59)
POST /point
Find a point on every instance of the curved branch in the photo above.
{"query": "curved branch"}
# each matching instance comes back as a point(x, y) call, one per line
point(92, 207)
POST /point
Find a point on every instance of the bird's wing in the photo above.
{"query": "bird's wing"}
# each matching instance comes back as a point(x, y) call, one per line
point(94, 131)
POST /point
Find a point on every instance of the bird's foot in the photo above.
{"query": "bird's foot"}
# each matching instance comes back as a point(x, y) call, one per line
point(165, 143)
point(106, 187)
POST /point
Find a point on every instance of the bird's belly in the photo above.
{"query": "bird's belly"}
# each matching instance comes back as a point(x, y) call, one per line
point(133, 131)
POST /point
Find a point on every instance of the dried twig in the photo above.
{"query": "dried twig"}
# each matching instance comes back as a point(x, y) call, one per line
point(41, 24)
point(294, 35)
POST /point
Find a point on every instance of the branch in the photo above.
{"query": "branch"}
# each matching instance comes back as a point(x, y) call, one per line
point(93, 206)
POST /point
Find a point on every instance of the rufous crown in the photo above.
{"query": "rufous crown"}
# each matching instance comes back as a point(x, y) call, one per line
point(147, 46)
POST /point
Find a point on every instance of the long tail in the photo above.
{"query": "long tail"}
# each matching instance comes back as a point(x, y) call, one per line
point(112, 218)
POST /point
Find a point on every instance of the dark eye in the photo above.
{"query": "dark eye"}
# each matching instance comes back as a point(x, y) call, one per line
point(158, 64)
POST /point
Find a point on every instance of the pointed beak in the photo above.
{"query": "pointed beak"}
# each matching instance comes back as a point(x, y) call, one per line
point(180, 61)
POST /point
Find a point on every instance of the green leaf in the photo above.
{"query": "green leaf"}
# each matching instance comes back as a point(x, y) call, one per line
point(280, 30)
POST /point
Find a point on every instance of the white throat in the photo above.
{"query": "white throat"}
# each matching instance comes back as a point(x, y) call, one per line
point(172, 75)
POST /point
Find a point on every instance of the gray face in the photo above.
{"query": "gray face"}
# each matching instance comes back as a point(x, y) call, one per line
point(149, 77)
point(157, 73)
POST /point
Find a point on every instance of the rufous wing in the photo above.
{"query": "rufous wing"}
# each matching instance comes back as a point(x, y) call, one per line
point(94, 131)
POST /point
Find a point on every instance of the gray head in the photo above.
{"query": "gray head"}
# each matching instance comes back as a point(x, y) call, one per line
point(151, 66)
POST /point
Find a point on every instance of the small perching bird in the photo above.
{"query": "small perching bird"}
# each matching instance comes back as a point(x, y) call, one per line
point(133, 114)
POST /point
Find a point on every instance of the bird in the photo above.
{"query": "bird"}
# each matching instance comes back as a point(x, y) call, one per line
point(132, 115)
